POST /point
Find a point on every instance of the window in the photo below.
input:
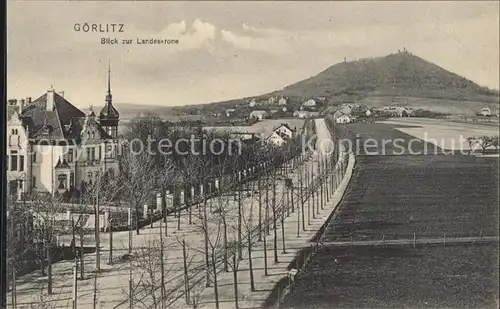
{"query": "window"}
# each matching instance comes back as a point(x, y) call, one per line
point(34, 156)
point(88, 135)
point(93, 153)
point(89, 177)
point(63, 181)
point(88, 154)
point(13, 158)
point(70, 155)
point(93, 136)
point(72, 180)
point(21, 163)
point(33, 182)
point(99, 153)
point(8, 157)
point(20, 184)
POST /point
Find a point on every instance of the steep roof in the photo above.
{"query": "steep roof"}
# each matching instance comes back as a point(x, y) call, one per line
point(38, 118)
point(64, 121)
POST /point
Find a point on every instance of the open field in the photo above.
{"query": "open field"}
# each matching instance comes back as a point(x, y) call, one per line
point(454, 107)
point(447, 134)
point(399, 277)
point(396, 197)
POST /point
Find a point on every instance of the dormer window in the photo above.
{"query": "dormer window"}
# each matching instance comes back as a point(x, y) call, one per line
point(63, 179)
point(45, 130)
point(93, 135)
point(88, 135)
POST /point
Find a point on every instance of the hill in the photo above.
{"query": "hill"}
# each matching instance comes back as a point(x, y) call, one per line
point(401, 74)
point(401, 77)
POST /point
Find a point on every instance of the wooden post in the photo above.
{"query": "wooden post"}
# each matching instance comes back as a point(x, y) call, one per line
point(97, 233)
point(279, 294)
point(308, 182)
point(260, 206)
point(94, 298)
point(186, 275)
point(73, 240)
point(301, 195)
point(444, 239)
point(75, 284)
point(240, 253)
point(110, 258)
point(266, 220)
point(275, 219)
point(283, 232)
point(250, 268)
point(414, 240)
point(235, 277)
point(298, 221)
point(265, 256)
point(162, 270)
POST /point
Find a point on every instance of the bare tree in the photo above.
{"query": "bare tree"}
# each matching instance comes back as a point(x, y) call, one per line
point(135, 180)
point(97, 193)
point(150, 261)
point(163, 180)
point(482, 141)
point(20, 246)
point(46, 210)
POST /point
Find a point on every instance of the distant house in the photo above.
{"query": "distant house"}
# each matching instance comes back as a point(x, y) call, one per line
point(252, 103)
point(305, 114)
point(300, 114)
point(259, 114)
point(285, 129)
point(230, 112)
point(282, 101)
point(284, 109)
point(337, 114)
point(485, 112)
point(343, 119)
point(346, 109)
point(276, 139)
point(309, 103)
point(272, 100)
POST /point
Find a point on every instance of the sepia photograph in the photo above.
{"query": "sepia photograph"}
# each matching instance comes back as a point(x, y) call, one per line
point(251, 154)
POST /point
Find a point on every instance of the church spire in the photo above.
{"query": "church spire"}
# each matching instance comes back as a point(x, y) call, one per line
point(109, 97)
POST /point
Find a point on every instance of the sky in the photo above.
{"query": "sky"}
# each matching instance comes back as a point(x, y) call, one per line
point(231, 50)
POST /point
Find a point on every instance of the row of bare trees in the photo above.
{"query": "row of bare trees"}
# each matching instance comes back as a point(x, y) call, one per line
point(36, 221)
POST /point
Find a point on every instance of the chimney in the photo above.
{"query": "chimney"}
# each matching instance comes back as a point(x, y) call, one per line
point(50, 99)
point(21, 106)
point(12, 102)
point(28, 100)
